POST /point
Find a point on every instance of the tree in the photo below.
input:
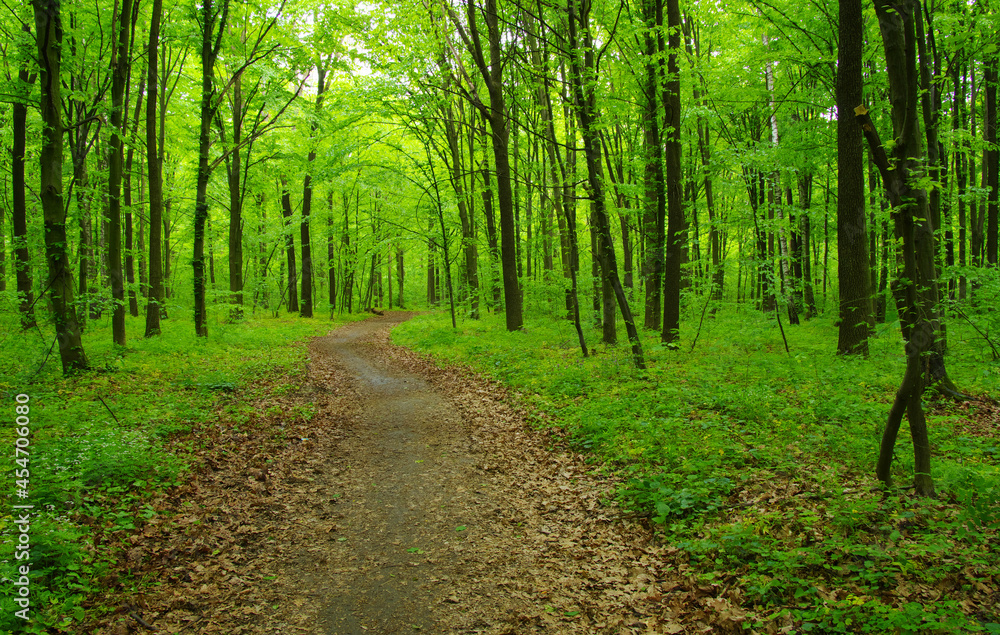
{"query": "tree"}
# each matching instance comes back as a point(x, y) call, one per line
point(154, 169)
point(496, 115)
point(916, 289)
point(856, 312)
point(306, 309)
point(120, 67)
point(582, 71)
point(672, 255)
point(48, 34)
point(213, 27)
point(19, 207)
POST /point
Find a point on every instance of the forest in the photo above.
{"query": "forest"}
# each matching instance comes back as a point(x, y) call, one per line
point(717, 252)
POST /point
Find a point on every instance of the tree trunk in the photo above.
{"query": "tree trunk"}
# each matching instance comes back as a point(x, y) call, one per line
point(673, 252)
point(48, 33)
point(496, 114)
point(306, 310)
point(654, 191)
point(917, 286)
point(331, 269)
point(583, 88)
point(119, 78)
point(19, 211)
point(491, 225)
point(209, 53)
point(286, 212)
point(856, 314)
point(154, 167)
point(133, 300)
point(992, 164)
point(234, 172)
point(457, 177)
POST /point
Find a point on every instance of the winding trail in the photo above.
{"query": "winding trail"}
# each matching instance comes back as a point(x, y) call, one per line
point(416, 499)
point(405, 490)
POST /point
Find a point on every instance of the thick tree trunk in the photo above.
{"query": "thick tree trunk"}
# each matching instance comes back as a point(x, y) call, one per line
point(856, 314)
point(48, 33)
point(154, 167)
point(654, 191)
point(673, 251)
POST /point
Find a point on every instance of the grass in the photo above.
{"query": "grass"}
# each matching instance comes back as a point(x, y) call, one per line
point(103, 443)
point(760, 464)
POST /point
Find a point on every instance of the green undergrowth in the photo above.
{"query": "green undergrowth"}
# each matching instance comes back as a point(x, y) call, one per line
point(759, 464)
point(105, 442)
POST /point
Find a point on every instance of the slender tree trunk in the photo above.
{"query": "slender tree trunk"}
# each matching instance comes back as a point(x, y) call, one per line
point(991, 165)
point(306, 310)
point(457, 176)
point(496, 115)
point(491, 225)
point(19, 210)
point(133, 300)
point(286, 212)
point(917, 287)
point(400, 276)
point(209, 53)
point(234, 172)
point(583, 88)
point(119, 78)
point(961, 174)
point(331, 268)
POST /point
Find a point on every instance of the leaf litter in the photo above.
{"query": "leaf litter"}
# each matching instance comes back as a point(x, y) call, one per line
point(415, 498)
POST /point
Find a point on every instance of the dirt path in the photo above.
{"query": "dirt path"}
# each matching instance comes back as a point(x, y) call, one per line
point(406, 491)
point(416, 500)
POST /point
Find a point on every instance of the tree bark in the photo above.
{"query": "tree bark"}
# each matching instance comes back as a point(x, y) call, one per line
point(154, 168)
point(856, 313)
point(286, 212)
point(673, 252)
point(917, 286)
point(19, 210)
point(457, 176)
point(654, 192)
point(209, 54)
point(119, 78)
point(48, 34)
point(306, 308)
point(582, 71)
point(496, 114)
point(234, 172)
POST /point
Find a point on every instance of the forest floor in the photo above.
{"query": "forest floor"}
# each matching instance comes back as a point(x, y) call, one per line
point(415, 499)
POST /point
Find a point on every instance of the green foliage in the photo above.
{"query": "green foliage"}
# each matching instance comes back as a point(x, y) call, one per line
point(759, 464)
